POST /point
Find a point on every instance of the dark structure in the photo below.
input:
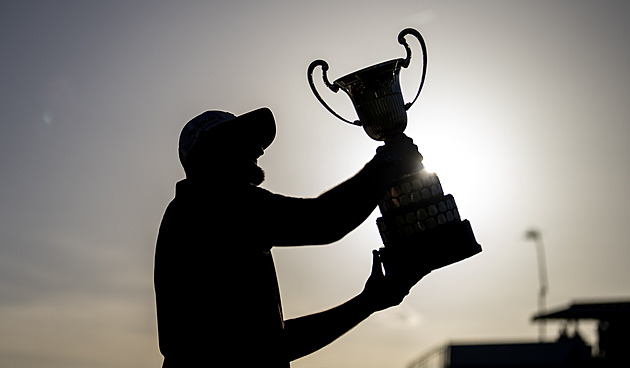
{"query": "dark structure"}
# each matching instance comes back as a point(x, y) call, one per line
point(613, 329)
point(569, 350)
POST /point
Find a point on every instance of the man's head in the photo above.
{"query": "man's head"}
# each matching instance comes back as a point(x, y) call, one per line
point(217, 140)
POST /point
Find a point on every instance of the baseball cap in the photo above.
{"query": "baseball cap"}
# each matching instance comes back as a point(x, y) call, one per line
point(258, 124)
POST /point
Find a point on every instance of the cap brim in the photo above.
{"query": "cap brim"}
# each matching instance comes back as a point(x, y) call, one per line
point(258, 124)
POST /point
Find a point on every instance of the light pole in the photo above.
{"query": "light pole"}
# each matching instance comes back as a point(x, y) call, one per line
point(534, 235)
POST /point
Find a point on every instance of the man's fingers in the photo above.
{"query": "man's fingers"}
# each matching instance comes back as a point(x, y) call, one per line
point(377, 268)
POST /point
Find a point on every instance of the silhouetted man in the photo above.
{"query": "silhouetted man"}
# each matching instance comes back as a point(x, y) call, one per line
point(216, 290)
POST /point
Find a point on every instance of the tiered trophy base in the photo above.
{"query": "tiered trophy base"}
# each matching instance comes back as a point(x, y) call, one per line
point(430, 250)
point(421, 228)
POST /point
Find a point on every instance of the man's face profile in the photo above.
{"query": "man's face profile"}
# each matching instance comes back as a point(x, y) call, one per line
point(254, 174)
point(225, 153)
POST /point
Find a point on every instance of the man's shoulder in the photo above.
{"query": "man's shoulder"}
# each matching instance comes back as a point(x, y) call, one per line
point(193, 194)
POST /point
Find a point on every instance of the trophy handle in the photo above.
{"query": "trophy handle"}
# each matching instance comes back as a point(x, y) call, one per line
point(402, 41)
point(332, 87)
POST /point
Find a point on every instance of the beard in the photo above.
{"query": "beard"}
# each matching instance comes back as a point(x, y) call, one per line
point(247, 172)
point(232, 172)
point(255, 175)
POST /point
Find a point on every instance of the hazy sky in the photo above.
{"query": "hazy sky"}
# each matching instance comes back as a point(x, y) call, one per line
point(523, 116)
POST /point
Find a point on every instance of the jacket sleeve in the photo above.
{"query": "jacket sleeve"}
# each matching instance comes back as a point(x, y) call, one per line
point(330, 216)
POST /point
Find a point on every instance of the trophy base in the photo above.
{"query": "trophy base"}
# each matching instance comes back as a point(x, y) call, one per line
point(421, 253)
point(421, 228)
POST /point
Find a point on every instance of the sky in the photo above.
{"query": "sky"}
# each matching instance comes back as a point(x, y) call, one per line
point(523, 116)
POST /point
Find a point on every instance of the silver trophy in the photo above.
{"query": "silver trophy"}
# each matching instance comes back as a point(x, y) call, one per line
point(420, 226)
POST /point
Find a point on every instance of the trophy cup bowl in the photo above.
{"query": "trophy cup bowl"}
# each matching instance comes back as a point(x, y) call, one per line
point(420, 226)
point(375, 92)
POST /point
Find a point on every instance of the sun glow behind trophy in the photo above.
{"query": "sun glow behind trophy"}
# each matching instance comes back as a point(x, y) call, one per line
point(420, 226)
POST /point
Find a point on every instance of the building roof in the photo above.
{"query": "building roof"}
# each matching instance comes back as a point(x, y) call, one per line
point(556, 354)
point(567, 353)
point(603, 311)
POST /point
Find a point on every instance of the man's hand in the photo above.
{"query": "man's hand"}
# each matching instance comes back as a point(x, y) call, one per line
point(380, 291)
point(401, 150)
point(307, 334)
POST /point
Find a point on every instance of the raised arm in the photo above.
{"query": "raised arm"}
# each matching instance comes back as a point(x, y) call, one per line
point(335, 213)
point(305, 335)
